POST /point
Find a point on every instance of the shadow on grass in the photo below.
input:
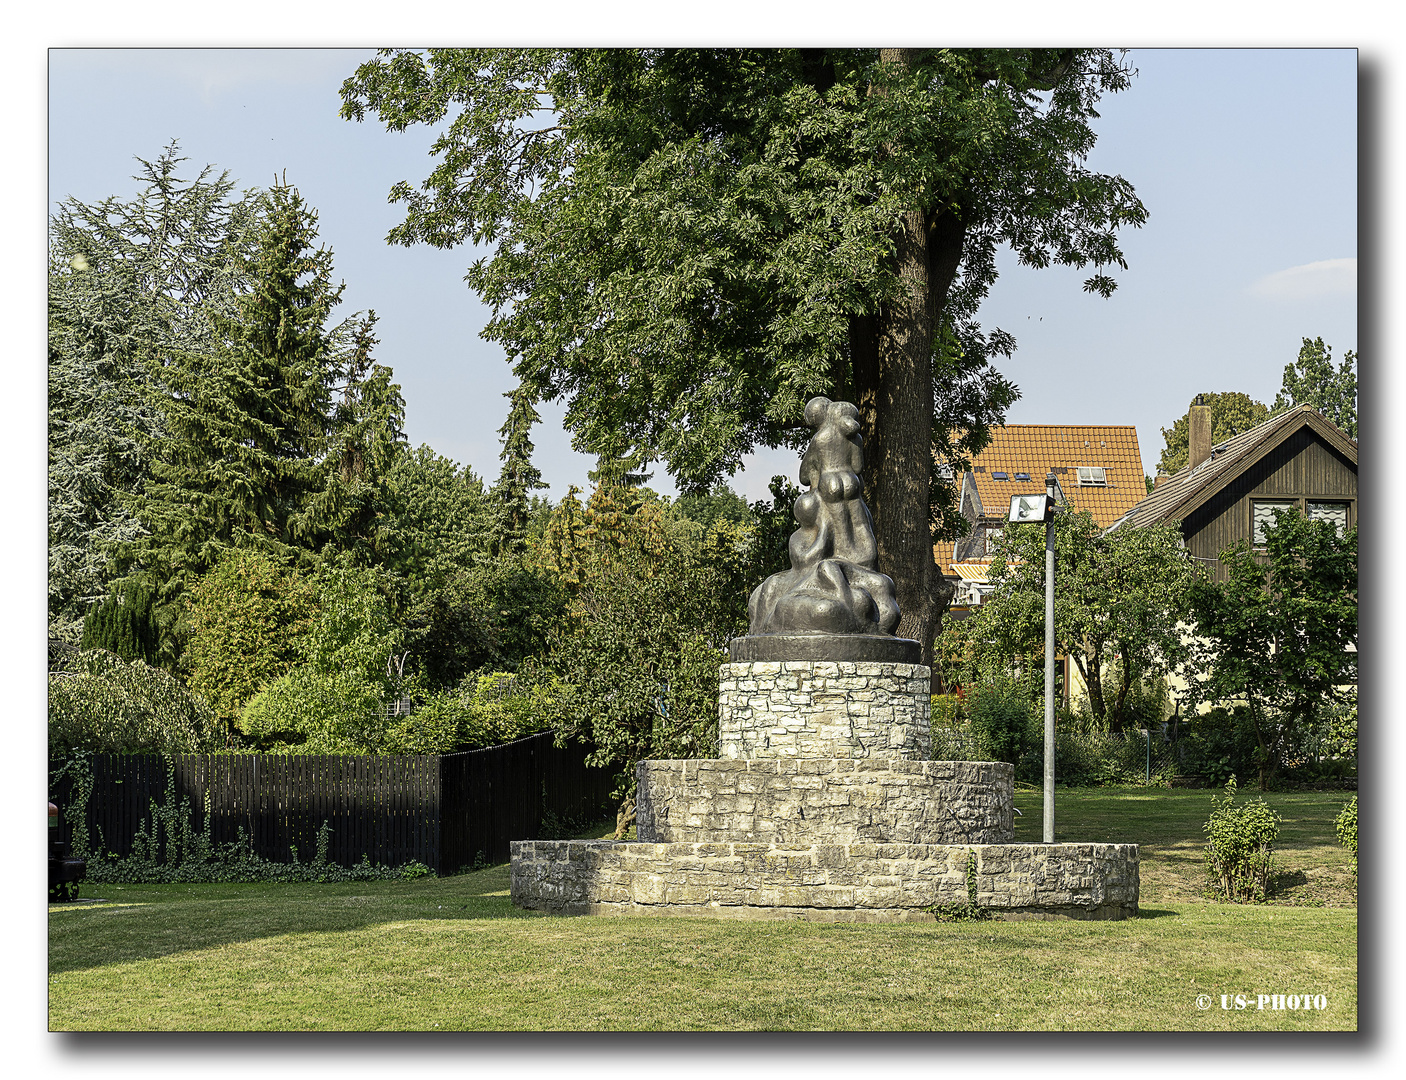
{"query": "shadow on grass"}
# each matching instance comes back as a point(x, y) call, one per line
point(145, 922)
point(1156, 913)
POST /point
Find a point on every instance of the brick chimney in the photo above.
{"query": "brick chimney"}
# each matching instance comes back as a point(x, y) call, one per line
point(1199, 422)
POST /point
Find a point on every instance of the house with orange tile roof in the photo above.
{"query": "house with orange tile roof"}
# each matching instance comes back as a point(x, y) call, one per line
point(1098, 469)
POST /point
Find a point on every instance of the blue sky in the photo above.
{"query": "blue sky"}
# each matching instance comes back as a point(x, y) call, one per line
point(1246, 160)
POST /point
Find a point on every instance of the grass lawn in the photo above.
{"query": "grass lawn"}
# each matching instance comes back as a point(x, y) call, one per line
point(453, 954)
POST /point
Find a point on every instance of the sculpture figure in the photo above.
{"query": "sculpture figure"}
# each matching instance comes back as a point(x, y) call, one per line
point(833, 586)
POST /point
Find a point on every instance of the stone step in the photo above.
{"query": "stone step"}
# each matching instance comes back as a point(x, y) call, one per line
point(824, 882)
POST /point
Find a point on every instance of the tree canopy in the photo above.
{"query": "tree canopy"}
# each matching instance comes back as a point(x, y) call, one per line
point(687, 244)
point(1281, 631)
point(130, 282)
point(1231, 413)
point(1119, 595)
point(1313, 380)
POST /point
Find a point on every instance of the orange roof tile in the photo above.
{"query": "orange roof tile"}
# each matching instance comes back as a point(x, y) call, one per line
point(1040, 448)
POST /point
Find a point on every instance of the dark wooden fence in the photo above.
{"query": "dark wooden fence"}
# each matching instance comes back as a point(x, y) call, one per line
point(446, 811)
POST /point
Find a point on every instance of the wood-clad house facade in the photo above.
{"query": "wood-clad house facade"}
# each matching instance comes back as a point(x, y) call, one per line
point(1296, 459)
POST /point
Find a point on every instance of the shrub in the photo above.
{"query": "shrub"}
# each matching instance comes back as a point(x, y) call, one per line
point(124, 624)
point(1001, 720)
point(1347, 830)
point(486, 710)
point(1241, 847)
point(1220, 744)
point(106, 705)
point(246, 621)
point(334, 701)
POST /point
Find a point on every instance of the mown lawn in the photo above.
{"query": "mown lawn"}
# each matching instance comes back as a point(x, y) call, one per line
point(453, 953)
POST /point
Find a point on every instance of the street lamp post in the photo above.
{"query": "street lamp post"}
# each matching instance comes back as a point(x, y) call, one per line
point(1049, 659)
point(1031, 508)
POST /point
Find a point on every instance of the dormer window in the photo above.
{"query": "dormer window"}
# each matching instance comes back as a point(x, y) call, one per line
point(1092, 476)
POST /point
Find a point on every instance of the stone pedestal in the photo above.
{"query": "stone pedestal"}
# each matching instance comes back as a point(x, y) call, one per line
point(823, 807)
point(831, 801)
point(824, 882)
point(824, 709)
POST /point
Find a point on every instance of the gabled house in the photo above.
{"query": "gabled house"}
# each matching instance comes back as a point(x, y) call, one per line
point(1098, 468)
point(1230, 491)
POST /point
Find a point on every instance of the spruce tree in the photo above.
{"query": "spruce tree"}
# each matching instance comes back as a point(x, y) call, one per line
point(518, 477)
point(247, 422)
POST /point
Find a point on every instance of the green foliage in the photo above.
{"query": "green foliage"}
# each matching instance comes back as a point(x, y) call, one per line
point(518, 478)
point(496, 614)
point(124, 624)
point(123, 294)
point(436, 521)
point(721, 503)
point(1231, 414)
point(246, 622)
point(1345, 828)
point(702, 239)
point(1240, 847)
point(99, 703)
point(651, 609)
point(1119, 594)
point(488, 710)
point(1312, 380)
point(1003, 720)
point(255, 451)
point(1222, 744)
point(1281, 633)
point(335, 701)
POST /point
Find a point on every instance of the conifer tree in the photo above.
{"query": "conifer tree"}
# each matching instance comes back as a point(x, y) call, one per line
point(129, 282)
point(518, 477)
point(246, 423)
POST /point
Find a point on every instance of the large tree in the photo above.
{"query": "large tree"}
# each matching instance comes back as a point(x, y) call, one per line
point(1313, 380)
point(1119, 596)
point(1280, 633)
point(129, 282)
point(254, 451)
point(1231, 414)
point(687, 244)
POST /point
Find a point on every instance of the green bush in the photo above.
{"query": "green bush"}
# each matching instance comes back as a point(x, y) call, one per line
point(334, 701)
point(1220, 743)
point(1002, 721)
point(124, 624)
point(106, 705)
point(1240, 848)
point(245, 625)
point(1347, 830)
point(486, 710)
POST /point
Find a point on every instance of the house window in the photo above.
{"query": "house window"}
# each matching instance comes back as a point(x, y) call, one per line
point(1000, 476)
point(992, 535)
point(1092, 476)
point(1336, 512)
point(1262, 515)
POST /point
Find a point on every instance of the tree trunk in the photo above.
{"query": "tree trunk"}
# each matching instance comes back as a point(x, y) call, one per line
point(891, 357)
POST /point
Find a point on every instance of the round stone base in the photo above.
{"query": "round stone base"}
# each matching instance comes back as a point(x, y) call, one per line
point(824, 709)
point(825, 882)
point(825, 801)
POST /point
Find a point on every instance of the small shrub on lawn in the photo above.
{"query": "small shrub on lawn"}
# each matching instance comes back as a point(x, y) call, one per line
point(1346, 828)
point(1241, 847)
